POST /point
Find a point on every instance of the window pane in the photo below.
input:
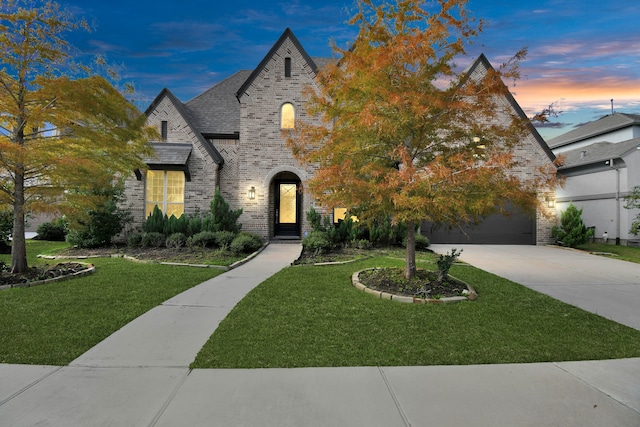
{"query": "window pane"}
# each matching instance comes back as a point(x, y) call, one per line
point(155, 187)
point(175, 209)
point(339, 213)
point(288, 203)
point(175, 187)
point(288, 116)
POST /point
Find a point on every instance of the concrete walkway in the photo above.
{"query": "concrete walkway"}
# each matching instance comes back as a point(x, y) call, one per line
point(140, 377)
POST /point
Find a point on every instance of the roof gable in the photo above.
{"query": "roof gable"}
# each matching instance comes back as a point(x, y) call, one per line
point(180, 108)
point(603, 125)
point(483, 61)
point(599, 152)
point(288, 34)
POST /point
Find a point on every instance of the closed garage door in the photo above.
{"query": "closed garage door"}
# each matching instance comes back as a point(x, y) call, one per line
point(516, 229)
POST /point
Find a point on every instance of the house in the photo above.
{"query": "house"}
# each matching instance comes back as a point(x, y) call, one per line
point(231, 137)
point(601, 166)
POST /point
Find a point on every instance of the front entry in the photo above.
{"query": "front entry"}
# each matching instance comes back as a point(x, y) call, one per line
point(288, 204)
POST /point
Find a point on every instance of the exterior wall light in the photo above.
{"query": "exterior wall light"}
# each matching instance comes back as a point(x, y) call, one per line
point(252, 193)
point(551, 203)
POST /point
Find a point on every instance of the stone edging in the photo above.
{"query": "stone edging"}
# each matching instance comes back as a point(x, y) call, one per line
point(89, 270)
point(401, 298)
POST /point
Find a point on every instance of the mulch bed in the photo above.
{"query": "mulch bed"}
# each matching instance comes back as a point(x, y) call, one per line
point(42, 272)
point(424, 284)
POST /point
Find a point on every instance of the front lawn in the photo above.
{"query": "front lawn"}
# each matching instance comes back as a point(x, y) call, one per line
point(54, 324)
point(626, 253)
point(307, 316)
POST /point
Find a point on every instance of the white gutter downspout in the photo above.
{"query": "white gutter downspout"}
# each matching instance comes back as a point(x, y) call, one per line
point(617, 200)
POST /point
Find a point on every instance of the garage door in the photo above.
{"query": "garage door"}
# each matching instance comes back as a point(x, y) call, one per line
point(516, 229)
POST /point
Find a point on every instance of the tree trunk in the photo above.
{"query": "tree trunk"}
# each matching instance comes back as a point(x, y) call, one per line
point(410, 263)
point(19, 244)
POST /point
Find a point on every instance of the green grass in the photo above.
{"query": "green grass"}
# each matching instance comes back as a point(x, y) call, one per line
point(626, 253)
point(311, 316)
point(53, 324)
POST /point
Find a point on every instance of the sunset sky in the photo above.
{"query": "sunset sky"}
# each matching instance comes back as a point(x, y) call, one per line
point(582, 53)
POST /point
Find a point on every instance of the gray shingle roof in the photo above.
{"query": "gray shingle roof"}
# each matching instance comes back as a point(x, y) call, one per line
point(217, 111)
point(166, 154)
point(601, 126)
point(598, 152)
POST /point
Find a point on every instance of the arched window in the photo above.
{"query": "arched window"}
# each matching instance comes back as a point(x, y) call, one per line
point(287, 116)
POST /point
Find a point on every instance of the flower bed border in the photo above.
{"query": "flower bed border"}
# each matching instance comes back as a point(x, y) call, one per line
point(89, 270)
point(355, 280)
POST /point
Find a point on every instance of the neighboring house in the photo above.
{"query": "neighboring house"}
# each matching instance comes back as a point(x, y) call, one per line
point(601, 166)
point(231, 138)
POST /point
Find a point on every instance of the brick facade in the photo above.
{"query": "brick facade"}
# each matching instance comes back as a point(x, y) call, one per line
point(255, 155)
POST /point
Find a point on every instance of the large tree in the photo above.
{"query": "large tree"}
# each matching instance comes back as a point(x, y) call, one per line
point(404, 134)
point(61, 123)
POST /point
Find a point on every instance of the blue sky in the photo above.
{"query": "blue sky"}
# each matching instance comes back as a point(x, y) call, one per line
point(582, 53)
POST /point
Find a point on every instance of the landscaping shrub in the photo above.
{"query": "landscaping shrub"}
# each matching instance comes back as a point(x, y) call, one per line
point(422, 242)
point(246, 243)
point(221, 218)
point(96, 226)
point(153, 239)
point(54, 231)
point(174, 225)
point(572, 231)
point(135, 240)
point(155, 222)
point(6, 225)
point(445, 262)
point(317, 242)
point(223, 239)
point(176, 240)
point(195, 224)
point(315, 220)
point(203, 239)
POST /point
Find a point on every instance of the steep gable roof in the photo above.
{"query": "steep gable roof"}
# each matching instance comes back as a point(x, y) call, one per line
point(482, 60)
point(605, 124)
point(217, 111)
point(598, 152)
point(179, 106)
point(288, 34)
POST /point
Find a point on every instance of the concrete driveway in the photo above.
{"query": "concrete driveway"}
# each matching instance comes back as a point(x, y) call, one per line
point(601, 285)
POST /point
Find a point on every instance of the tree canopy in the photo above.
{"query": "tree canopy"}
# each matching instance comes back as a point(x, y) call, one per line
point(63, 125)
point(404, 134)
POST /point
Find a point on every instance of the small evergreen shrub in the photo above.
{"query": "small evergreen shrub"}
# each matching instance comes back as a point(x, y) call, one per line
point(361, 244)
point(176, 240)
point(54, 231)
point(422, 242)
point(223, 239)
point(315, 219)
point(317, 242)
point(203, 239)
point(246, 243)
point(155, 222)
point(445, 262)
point(572, 231)
point(153, 239)
point(135, 240)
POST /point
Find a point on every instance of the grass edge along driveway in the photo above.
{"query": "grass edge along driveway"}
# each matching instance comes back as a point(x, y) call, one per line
point(311, 316)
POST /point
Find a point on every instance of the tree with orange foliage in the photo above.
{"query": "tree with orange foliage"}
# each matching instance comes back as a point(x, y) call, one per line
point(61, 125)
point(404, 134)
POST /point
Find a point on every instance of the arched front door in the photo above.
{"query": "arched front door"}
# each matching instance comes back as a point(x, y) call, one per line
point(288, 208)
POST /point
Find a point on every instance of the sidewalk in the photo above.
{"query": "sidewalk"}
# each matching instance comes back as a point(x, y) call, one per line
point(140, 377)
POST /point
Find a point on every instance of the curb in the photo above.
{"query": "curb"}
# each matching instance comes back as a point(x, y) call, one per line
point(413, 300)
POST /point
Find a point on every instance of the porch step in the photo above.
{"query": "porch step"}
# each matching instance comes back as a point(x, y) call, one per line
point(286, 239)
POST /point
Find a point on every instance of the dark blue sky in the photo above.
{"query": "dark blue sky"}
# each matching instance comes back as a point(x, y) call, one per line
point(582, 53)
